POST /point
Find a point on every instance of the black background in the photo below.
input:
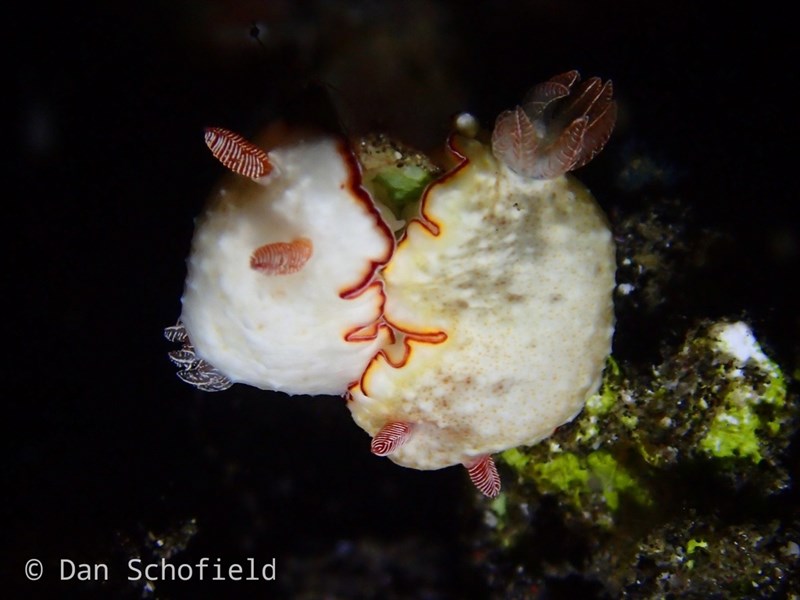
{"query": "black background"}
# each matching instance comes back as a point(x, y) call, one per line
point(108, 169)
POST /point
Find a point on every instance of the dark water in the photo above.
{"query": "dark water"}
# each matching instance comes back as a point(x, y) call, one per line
point(105, 445)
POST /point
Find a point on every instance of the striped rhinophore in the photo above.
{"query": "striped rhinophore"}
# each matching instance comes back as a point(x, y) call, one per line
point(237, 154)
point(390, 438)
point(281, 258)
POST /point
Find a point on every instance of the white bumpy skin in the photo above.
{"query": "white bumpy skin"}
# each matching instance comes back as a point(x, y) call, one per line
point(501, 294)
point(493, 320)
point(313, 327)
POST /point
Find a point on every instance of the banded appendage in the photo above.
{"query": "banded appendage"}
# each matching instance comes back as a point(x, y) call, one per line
point(482, 470)
point(390, 438)
point(558, 129)
point(483, 473)
point(281, 258)
point(237, 154)
point(192, 369)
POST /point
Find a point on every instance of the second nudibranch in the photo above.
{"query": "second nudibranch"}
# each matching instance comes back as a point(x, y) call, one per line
point(282, 290)
point(500, 293)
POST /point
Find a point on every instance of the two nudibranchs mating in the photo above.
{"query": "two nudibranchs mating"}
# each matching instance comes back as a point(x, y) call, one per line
point(485, 327)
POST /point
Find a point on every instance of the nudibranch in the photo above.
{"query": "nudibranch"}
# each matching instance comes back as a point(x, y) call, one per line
point(484, 328)
point(499, 293)
point(282, 291)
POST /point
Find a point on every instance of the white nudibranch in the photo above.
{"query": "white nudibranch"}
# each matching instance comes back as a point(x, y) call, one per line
point(281, 291)
point(487, 329)
point(501, 293)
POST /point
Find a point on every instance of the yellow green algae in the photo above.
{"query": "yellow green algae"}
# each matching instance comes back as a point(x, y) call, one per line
point(394, 174)
point(693, 545)
point(577, 477)
point(401, 185)
point(714, 418)
point(718, 397)
point(740, 425)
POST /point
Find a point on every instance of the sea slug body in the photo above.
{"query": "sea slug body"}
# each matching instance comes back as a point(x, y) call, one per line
point(485, 327)
point(500, 294)
point(281, 291)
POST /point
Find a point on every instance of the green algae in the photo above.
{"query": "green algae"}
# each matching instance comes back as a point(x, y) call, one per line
point(615, 479)
point(693, 545)
point(752, 408)
point(564, 473)
point(402, 185)
point(734, 433)
point(579, 478)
